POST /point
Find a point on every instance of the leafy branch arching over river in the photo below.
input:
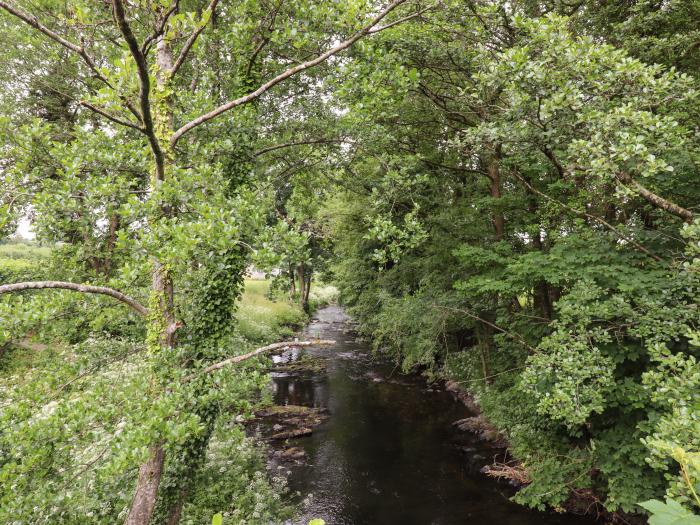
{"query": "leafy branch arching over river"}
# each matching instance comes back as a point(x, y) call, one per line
point(502, 192)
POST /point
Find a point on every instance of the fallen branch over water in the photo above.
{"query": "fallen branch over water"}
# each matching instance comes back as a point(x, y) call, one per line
point(258, 351)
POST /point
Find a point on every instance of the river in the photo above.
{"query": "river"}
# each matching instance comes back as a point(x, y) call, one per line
point(388, 454)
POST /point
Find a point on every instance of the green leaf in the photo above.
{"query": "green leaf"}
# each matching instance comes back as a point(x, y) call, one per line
point(669, 513)
point(317, 521)
point(218, 519)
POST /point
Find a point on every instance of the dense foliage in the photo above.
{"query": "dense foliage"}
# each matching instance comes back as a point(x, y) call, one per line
point(129, 136)
point(518, 215)
point(505, 192)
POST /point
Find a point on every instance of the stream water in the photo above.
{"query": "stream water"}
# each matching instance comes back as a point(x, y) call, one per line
point(388, 454)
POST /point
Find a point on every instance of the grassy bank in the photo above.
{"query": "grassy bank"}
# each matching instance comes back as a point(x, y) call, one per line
point(263, 317)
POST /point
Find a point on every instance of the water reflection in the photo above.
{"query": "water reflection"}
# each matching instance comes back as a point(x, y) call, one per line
point(389, 454)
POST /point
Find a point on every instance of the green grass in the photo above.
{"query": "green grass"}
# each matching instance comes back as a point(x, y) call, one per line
point(322, 295)
point(261, 318)
point(22, 261)
point(24, 250)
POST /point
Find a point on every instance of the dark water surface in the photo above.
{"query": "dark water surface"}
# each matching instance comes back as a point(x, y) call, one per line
point(389, 454)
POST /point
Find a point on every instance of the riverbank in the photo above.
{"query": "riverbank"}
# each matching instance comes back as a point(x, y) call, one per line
point(45, 375)
point(265, 318)
point(387, 449)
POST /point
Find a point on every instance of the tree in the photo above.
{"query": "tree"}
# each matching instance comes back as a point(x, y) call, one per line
point(160, 81)
point(509, 219)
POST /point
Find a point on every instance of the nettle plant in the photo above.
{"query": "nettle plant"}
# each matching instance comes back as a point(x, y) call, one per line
point(139, 164)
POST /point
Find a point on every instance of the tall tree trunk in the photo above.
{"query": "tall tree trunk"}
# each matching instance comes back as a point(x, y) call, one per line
point(162, 284)
point(307, 290)
point(302, 285)
point(151, 472)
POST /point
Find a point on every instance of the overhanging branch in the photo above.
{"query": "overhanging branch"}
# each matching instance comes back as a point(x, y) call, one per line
point(258, 351)
point(285, 74)
point(84, 288)
point(654, 199)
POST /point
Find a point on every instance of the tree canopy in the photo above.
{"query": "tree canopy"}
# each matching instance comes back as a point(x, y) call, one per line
point(505, 192)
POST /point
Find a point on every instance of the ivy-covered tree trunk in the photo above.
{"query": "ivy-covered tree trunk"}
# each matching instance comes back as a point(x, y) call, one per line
point(163, 320)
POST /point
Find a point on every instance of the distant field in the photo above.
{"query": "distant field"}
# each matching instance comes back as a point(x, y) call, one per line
point(23, 250)
point(22, 261)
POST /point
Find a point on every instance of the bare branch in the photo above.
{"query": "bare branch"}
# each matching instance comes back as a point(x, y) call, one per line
point(656, 200)
point(84, 288)
point(109, 116)
point(144, 86)
point(285, 75)
point(192, 39)
point(268, 348)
